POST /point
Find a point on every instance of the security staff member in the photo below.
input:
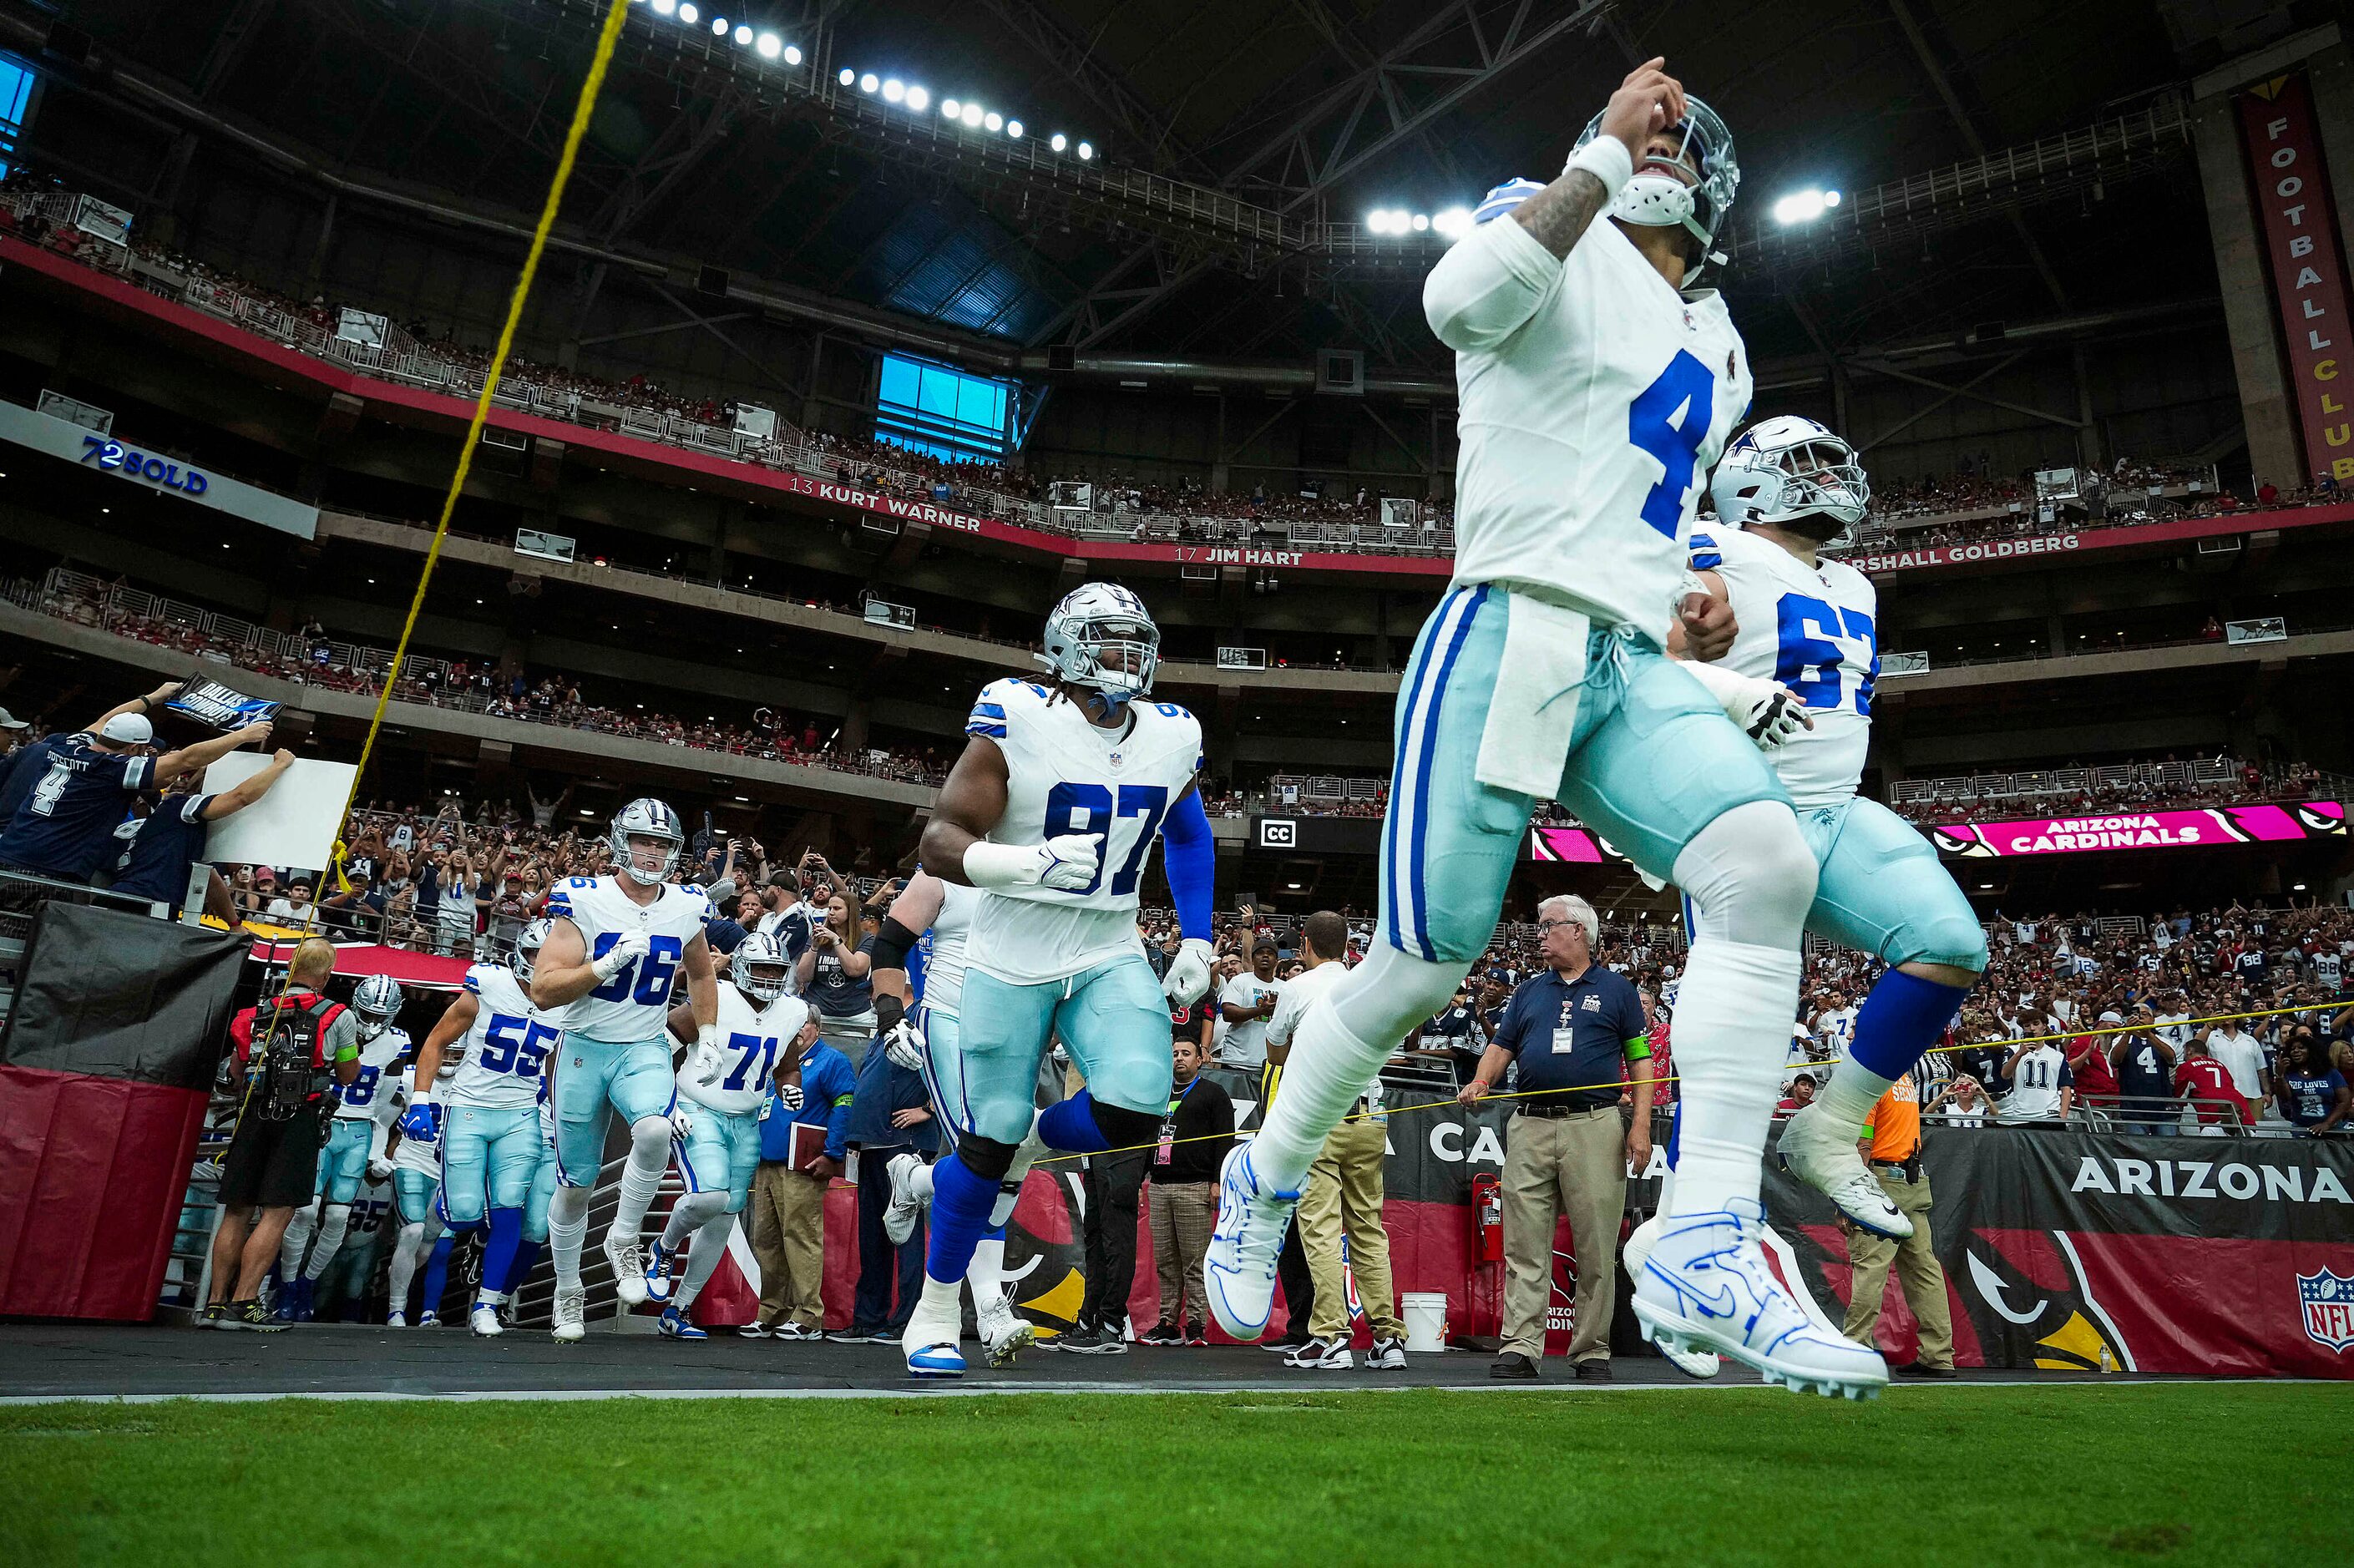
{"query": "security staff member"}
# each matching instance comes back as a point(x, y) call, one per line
point(1892, 1143)
point(1578, 1032)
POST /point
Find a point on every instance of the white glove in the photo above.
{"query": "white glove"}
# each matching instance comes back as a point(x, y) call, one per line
point(906, 1045)
point(1067, 863)
point(681, 1123)
point(789, 1096)
point(627, 949)
point(1188, 971)
point(379, 1169)
point(1768, 714)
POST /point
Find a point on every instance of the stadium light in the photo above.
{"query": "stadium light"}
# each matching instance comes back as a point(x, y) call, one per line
point(1453, 222)
point(688, 13)
point(1058, 141)
point(972, 116)
point(743, 34)
point(994, 121)
point(895, 91)
point(1377, 221)
point(1013, 129)
point(869, 82)
point(1804, 206)
point(664, 7)
point(718, 26)
point(919, 100)
point(951, 108)
point(1085, 152)
point(847, 76)
point(1421, 222)
point(770, 46)
point(792, 54)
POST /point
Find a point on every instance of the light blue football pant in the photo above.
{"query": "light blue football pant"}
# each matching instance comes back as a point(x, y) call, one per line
point(413, 1195)
point(489, 1157)
point(586, 1076)
point(343, 1161)
point(1883, 891)
point(543, 1188)
point(720, 1153)
point(1652, 760)
point(1112, 1018)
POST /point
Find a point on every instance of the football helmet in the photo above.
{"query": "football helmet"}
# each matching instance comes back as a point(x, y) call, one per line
point(523, 957)
point(759, 951)
point(1102, 637)
point(1794, 473)
point(377, 1004)
point(648, 819)
point(1659, 201)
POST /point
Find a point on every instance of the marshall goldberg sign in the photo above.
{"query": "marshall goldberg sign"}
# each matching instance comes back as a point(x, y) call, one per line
point(2291, 188)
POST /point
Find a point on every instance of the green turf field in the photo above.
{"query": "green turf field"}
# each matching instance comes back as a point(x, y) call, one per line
point(2226, 1474)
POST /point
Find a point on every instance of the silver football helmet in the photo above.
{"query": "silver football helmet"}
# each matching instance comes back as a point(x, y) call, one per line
point(647, 818)
point(1794, 473)
point(758, 952)
point(1102, 637)
point(376, 1002)
point(1661, 200)
point(523, 957)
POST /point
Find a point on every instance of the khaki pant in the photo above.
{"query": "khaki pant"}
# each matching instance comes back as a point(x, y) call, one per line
point(1344, 1196)
point(1183, 1214)
point(1574, 1166)
point(1916, 1269)
point(787, 1227)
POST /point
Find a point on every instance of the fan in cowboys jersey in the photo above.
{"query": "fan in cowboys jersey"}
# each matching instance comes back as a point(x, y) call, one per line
point(1598, 381)
point(488, 1118)
point(1799, 677)
point(1053, 809)
point(615, 945)
point(354, 1141)
point(919, 966)
point(727, 1080)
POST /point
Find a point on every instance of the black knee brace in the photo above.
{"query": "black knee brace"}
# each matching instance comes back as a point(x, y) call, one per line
point(1124, 1128)
point(985, 1157)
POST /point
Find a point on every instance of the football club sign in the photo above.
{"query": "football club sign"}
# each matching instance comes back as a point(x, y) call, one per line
point(2327, 1297)
point(220, 708)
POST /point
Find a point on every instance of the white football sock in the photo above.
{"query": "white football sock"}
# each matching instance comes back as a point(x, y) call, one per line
point(986, 1274)
point(641, 1174)
point(567, 1227)
point(919, 1183)
point(298, 1237)
point(1854, 1089)
point(407, 1252)
point(703, 1255)
point(690, 1214)
point(331, 1238)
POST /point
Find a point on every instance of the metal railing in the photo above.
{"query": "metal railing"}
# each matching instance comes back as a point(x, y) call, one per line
point(1964, 789)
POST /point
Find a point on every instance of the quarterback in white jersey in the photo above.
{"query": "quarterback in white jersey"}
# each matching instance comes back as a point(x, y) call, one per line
point(726, 1078)
point(615, 944)
point(1053, 809)
point(1599, 377)
point(1799, 678)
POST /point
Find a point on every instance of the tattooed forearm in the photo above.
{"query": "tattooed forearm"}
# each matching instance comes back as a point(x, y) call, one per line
point(1563, 210)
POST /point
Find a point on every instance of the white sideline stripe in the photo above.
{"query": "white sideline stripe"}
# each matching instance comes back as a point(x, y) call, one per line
point(940, 1390)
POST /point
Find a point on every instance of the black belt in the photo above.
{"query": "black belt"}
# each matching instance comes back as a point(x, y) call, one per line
point(1910, 1166)
point(1556, 1111)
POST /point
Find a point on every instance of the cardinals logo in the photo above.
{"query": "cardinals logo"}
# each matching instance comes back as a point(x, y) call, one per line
point(2029, 1299)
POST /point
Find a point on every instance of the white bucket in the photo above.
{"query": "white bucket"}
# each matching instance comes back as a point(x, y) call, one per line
point(1424, 1312)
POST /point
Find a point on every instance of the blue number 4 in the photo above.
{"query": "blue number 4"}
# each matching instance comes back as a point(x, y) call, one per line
point(1670, 419)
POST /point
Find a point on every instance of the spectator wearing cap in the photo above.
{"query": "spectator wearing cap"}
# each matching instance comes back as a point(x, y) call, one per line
point(168, 841)
point(1892, 1142)
point(1247, 1003)
point(1578, 1032)
point(1800, 1094)
point(15, 742)
point(65, 828)
point(291, 908)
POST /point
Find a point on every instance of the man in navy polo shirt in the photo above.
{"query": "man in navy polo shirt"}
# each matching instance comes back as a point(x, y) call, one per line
point(171, 838)
point(1578, 1032)
point(65, 826)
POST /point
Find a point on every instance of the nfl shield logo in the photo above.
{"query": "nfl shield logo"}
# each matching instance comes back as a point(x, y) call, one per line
point(1117, 758)
point(2327, 1297)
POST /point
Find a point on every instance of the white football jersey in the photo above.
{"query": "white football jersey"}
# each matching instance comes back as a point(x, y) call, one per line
point(1065, 776)
point(1593, 400)
point(1814, 630)
point(424, 1158)
point(944, 947)
point(507, 1047)
point(357, 1099)
point(634, 1004)
point(733, 1074)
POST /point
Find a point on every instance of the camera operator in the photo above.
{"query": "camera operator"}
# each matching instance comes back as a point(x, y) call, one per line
point(293, 1047)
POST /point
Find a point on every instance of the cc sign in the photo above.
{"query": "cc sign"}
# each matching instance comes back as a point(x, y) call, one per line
point(1277, 833)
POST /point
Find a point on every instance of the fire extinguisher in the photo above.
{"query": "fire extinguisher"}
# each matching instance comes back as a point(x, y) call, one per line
point(1488, 1202)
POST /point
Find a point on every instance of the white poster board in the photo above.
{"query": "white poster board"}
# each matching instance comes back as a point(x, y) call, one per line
point(294, 825)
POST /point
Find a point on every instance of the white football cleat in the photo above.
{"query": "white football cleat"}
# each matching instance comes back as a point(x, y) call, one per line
point(1818, 1154)
point(899, 1217)
point(485, 1320)
point(660, 1264)
point(1005, 1331)
point(395, 1320)
point(930, 1341)
point(568, 1314)
point(1239, 1272)
point(1639, 1242)
point(629, 1261)
point(1706, 1286)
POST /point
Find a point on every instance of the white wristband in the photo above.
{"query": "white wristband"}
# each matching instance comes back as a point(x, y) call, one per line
point(1001, 865)
point(418, 1097)
point(1606, 159)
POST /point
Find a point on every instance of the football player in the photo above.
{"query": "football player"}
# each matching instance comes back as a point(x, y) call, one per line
point(488, 1126)
point(1054, 807)
point(354, 1138)
point(416, 1194)
point(1787, 491)
point(727, 1079)
point(1600, 378)
point(929, 968)
point(615, 945)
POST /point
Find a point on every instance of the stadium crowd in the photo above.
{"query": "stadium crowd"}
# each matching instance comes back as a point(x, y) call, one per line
point(2076, 790)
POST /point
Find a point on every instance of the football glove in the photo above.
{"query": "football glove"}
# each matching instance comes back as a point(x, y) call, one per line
point(1067, 863)
point(681, 1124)
point(1768, 713)
point(379, 1169)
point(421, 1122)
point(789, 1096)
point(1188, 971)
point(905, 1045)
point(627, 949)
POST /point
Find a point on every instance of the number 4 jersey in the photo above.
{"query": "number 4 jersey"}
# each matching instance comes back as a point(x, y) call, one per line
point(634, 1004)
point(1064, 775)
point(1811, 629)
point(507, 1048)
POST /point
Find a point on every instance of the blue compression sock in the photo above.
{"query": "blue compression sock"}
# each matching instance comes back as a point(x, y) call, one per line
point(499, 1254)
point(961, 1205)
point(526, 1258)
point(1071, 1126)
point(1900, 1020)
point(437, 1273)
